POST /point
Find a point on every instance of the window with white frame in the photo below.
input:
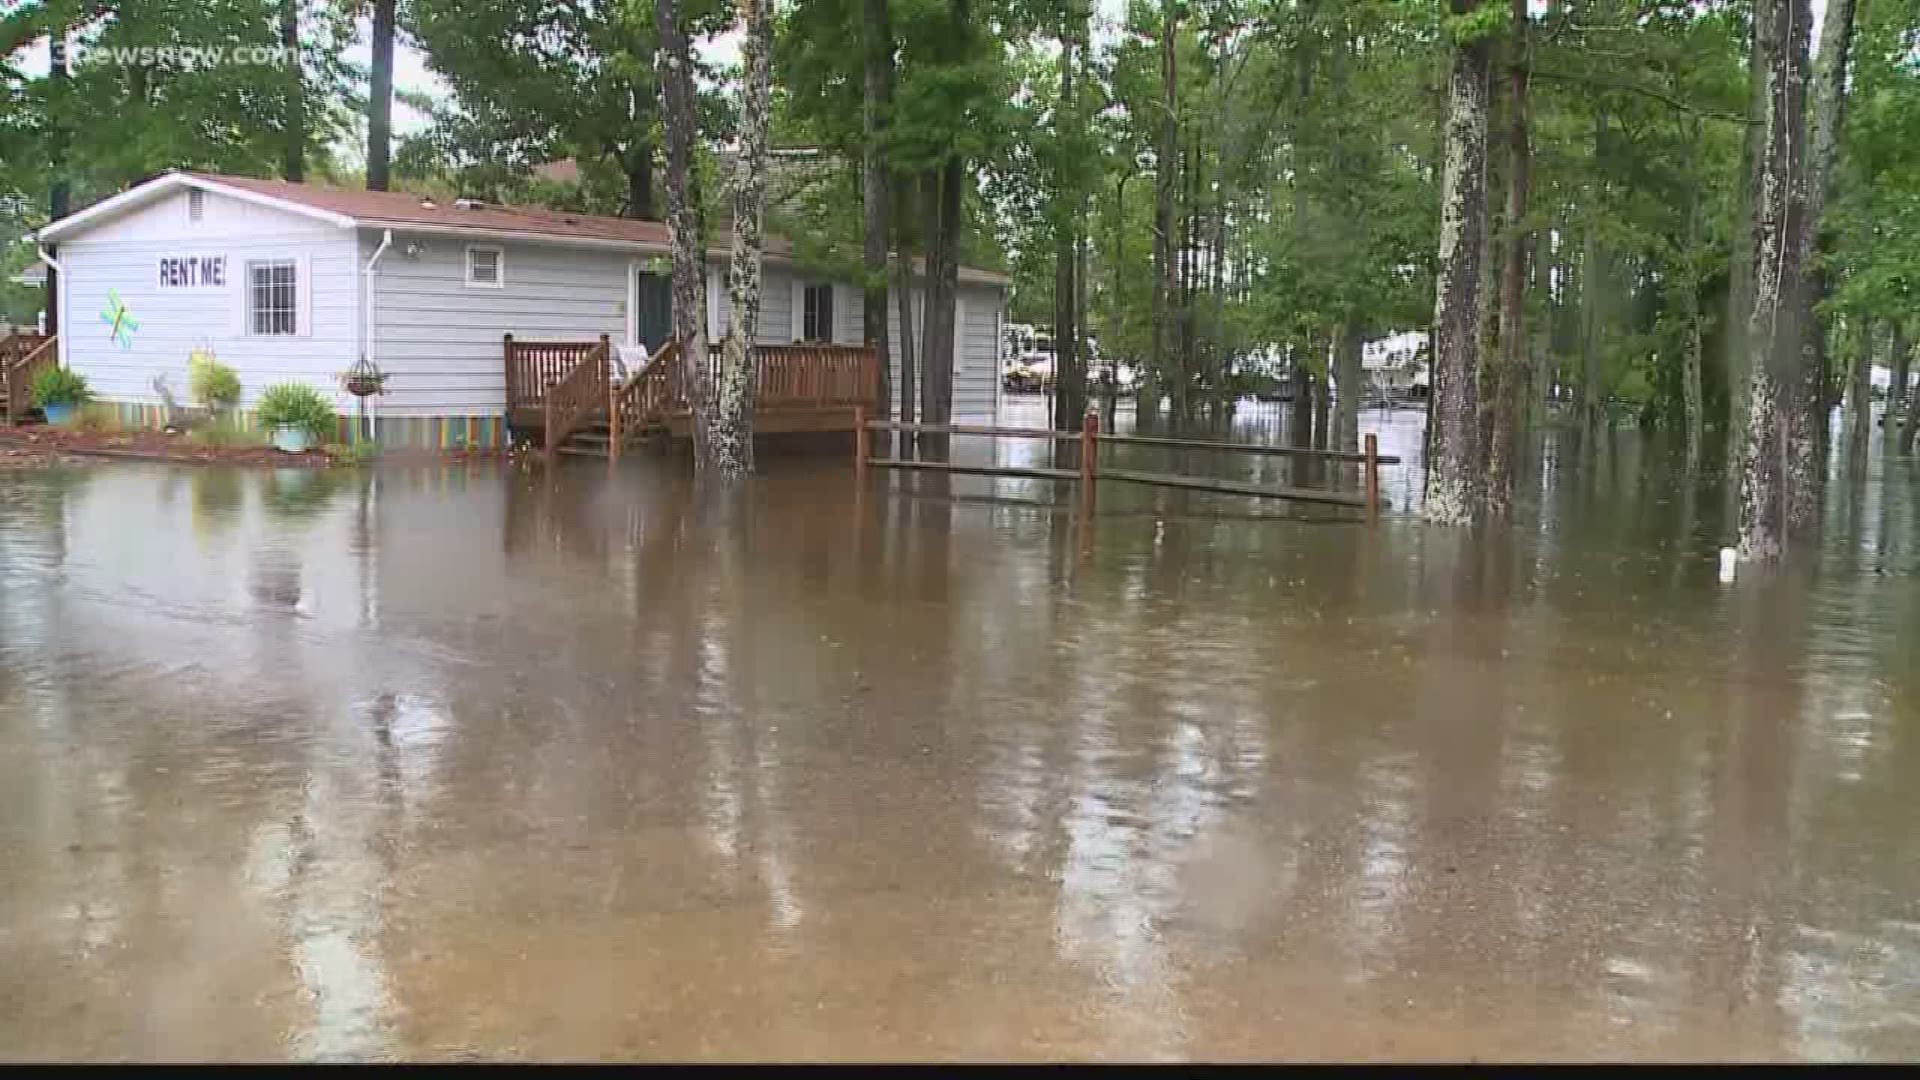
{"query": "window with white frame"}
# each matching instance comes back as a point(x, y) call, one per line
point(486, 267)
point(817, 313)
point(273, 297)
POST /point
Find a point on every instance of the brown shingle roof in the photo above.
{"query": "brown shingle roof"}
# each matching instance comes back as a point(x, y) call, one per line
point(404, 208)
point(400, 209)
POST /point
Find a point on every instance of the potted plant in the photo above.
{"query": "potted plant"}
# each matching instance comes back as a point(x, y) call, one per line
point(58, 391)
point(297, 416)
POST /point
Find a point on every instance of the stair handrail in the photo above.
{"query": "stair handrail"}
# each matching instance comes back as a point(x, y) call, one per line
point(19, 375)
point(642, 398)
point(579, 393)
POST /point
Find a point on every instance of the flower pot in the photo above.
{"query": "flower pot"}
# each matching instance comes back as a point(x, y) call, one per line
point(363, 385)
point(291, 439)
point(58, 414)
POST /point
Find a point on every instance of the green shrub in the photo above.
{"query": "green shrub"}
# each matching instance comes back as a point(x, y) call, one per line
point(364, 452)
point(60, 386)
point(212, 383)
point(224, 431)
point(301, 406)
point(94, 418)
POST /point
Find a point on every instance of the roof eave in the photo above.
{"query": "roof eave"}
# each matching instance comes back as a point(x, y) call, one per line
point(141, 194)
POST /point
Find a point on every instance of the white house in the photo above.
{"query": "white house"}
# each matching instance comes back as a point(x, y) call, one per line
point(285, 281)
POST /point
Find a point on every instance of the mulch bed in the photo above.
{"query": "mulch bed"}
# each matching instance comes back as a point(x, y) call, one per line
point(150, 445)
point(39, 445)
point(33, 457)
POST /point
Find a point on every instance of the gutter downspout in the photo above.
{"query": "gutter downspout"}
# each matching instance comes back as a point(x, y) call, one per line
point(57, 281)
point(386, 241)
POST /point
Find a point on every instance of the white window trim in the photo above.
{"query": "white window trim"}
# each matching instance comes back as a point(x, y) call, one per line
point(632, 303)
point(499, 267)
point(808, 285)
point(246, 293)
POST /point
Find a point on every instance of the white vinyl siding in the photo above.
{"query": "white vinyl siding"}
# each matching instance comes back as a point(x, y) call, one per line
point(439, 341)
point(976, 363)
point(121, 259)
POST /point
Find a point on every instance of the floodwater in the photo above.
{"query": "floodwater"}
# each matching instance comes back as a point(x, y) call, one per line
point(480, 763)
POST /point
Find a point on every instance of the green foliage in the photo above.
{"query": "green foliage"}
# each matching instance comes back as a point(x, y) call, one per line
point(114, 123)
point(225, 432)
point(60, 386)
point(212, 383)
point(297, 405)
point(537, 82)
point(1487, 20)
point(365, 452)
point(94, 418)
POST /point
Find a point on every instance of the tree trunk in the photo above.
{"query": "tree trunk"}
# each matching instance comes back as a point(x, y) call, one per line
point(1774, 333)
point(1508, 390)
point(1183, 394)
point(1454, 475)
point(1322, 411)
point(1910, 405)
point(1069, 362)
point(876, 187)
point(1541, 278)
point(732, 434)
point(675, 75)
point(1350, 386)
point(294, 167)
point(936, 382)
point(1899, 366)
point(1166, 176)
point(1827, 106)
point(380, 98)
point(909, 356)
point(1740, 271)
point(638, 165)
point(1860, 400)
point(1693, 361)
point(1595, 279)
point(1300, 422)
point(59, 78)
point(1690, 392)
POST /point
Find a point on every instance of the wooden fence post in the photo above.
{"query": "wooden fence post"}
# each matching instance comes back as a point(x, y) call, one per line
point(1373, 477)
point(506, 360)
point(861, 449)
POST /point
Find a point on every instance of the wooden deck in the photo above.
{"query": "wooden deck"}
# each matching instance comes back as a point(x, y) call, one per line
point(565, 391)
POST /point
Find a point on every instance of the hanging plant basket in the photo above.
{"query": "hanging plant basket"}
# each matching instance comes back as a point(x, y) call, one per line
point(363, 380)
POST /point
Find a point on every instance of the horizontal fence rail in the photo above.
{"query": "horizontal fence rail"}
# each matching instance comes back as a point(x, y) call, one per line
point(1248, 448)
point(1090, 473)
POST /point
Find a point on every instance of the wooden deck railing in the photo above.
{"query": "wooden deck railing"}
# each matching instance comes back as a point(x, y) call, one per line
point(534, 367)
point(579, 394)
point(815, 377)
point(548, 385)
point(21, 358)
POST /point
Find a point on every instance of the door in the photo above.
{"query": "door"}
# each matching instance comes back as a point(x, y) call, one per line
point(652, 306)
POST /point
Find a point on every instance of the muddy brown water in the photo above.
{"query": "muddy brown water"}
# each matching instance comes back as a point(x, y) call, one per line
point(477, 763)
